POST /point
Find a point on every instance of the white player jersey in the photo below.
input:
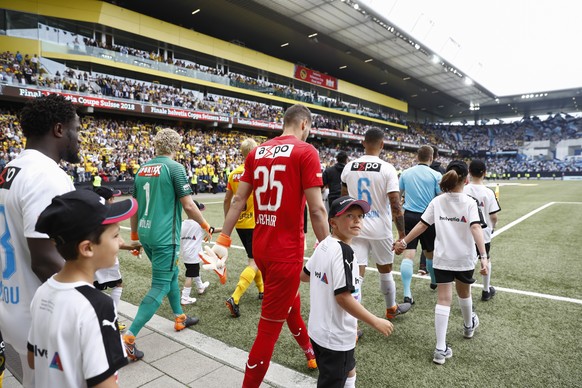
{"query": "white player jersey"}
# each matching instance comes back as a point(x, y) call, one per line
point(27, 186)
point(333, 269)
point(371, 179)
point(487, 203)
point(191, 238)
point(110, 274)
point(74, 336)
point(454, 247)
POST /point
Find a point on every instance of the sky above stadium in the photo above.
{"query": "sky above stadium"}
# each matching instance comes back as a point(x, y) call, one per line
point(510, 47)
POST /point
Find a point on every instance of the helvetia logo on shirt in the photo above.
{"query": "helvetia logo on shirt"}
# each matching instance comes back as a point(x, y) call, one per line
point(453, 219)
point(321, 276)
point(56, 362)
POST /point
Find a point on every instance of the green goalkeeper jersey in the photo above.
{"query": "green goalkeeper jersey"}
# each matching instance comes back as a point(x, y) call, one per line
point(159, 185)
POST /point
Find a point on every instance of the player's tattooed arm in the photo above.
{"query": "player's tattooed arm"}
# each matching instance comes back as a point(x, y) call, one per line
point(397, 214)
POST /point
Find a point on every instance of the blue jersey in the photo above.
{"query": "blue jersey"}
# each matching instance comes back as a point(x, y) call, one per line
point(420, 185)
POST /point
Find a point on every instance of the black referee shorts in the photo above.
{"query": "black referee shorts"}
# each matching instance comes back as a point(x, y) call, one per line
point(426, 239)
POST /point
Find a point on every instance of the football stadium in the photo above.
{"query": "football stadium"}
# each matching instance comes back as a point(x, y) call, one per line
point(453, 126)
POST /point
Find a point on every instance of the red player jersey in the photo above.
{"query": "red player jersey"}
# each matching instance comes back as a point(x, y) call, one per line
point(279, 171)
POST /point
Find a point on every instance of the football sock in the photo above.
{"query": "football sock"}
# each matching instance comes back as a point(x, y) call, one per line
point(361, 289)
point(244, 281)
point(116, 295)
point(186, 292)
point(153, 299)
point(430, 270)
point(174, 295)
point(467, 310)
point(487, 278)
point(388, 289)
point(259, 281)
point(297, 327)
point(350, 382)
point(441, 323)
point(406, 268)
point(198, 282)
point(147, 308)
point(261, 352)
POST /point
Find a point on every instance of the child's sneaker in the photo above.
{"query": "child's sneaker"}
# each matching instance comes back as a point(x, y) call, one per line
point(132, 352)
point(183, 321)
point(487, 295)
point(440, 356)
point(121, 326)
point(261, 295)
point(469, 331)
point(202, 290)
point(187, 300)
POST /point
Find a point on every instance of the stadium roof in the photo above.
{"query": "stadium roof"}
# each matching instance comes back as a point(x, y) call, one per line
point(356, 43)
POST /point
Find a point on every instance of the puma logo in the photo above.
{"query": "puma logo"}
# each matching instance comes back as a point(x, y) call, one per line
point(253, 366)
point(108, 323)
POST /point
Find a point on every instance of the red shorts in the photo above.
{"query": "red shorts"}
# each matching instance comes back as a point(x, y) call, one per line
point(281, 285)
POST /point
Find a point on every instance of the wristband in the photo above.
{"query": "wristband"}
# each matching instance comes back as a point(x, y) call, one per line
point(403, 243)
point(134, 236)
point(206, 226)
point(211, 230)
point(224, 240)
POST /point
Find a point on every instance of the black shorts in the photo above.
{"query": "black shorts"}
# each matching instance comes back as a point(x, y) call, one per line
point(192, 270)
point(111, 284)
point(246, 236)
point(487, 249)
point(426, 238)
point(443, 276)
point(333, 366)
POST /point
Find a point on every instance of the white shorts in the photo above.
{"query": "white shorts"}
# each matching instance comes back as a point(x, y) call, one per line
point(379, 250)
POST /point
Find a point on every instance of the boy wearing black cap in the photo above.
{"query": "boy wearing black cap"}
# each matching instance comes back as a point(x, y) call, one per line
point(489, 207)
point(333, 274)
point(74, 340)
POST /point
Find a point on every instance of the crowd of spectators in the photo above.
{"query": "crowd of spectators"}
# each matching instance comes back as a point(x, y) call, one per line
point(114, 148)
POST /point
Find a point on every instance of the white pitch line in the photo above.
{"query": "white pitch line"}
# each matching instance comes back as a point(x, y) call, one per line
point(520, 219)
point(523, 218)
point(504, 289)
point(508, 290)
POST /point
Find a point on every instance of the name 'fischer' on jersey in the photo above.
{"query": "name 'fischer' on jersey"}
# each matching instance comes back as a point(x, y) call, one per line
point(267, 219)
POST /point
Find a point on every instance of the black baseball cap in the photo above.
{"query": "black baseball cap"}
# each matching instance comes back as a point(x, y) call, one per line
point(342, 204)
point(72, 216)
point(107, 192)
point(201, 206)
point(477, 167)
point(459, 166)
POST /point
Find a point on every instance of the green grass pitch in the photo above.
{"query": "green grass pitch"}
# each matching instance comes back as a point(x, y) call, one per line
point(524, 340)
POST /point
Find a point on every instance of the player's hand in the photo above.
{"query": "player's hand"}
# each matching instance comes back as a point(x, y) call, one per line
point(222, 244)
point(384, 326)
point(399, 246)
point(208, 229)
point(484, 266)
point(213, 262)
